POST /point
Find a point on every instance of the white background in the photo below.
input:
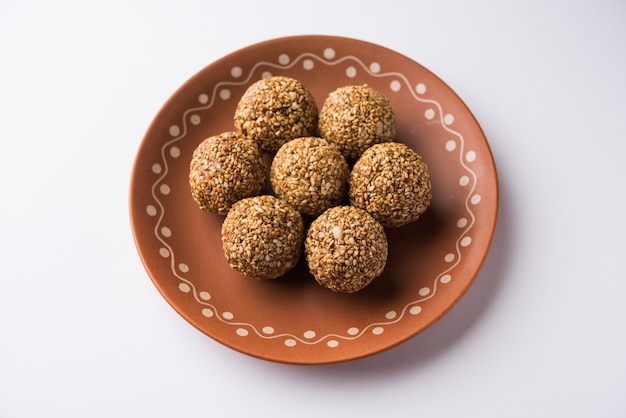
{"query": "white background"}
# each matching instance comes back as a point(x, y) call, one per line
point(83, 331)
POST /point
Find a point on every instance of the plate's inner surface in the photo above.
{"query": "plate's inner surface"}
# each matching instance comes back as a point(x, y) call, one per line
point(293, 319)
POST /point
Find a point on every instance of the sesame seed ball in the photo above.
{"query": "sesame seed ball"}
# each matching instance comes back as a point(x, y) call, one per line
point(356, 117)
point(224, 169)
point(275, 110)
point(392, 183)
point(310, 174)
point(262, 237)
point(345, 249)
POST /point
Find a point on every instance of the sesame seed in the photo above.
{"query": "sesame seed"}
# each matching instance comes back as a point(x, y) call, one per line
point(274, 111)
point(356, 117)
point(340, 264)
point(224, 169)
point(310, 174)
point(257, 240)
point(392, 183)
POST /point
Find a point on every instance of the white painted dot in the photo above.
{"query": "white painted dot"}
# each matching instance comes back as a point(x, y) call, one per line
point(429, 114)
point(183, 267)
point(470, 156)
point(266, 74)
point(420, 88)
point(204, 295)
point(332, 343)
point(207, 312)
point(166, 232)
point(415, 310)
point(309, 334)
point(283, 59)
point(236, 72)
point(451, 145)
point(395, 85)
point(151, 210)
point(464, 180)
point(351, 72)
point(224, 94)
point(378, 330)
point(268, 330)
point(475, 199)
point(174, 130)
point(449, 257)
point(375, 67)
point(156, 168)
point(164, 252)
point(175, 152)
point(165, 189)
point(424, 291)
point(184, 287)
point(446, 278)
point(448, 119)
point(203, 98)
point(308, 64)
point(195, 120)
point(466, 241)
point(228, 315)
point(290, 342)
point(391, 314)
point(353, 331)
point(242, 332)
point(461, 223)
point(329, 53)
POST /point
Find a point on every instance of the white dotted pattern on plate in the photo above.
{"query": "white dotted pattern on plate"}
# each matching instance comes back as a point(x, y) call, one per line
point(398, 81)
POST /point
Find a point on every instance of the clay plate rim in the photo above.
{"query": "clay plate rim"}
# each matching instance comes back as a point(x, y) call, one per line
point(327, 61)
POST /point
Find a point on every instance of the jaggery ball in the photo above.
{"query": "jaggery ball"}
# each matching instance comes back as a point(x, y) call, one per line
point(392, 183)
point(310, 174)
point(356, 117)
point(345, 248)
point(275, 110)
point(262, 237)
point(224, 169)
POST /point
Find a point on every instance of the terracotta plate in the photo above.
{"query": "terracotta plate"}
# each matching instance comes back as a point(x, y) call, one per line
point(292, 319)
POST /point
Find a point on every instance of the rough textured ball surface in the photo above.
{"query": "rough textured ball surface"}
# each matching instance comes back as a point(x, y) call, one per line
point(224, 169)
point(392, 183)
point(262, 237)
point(356, 117)
point(310, 174)
point(345, 249)
point(274, 111)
